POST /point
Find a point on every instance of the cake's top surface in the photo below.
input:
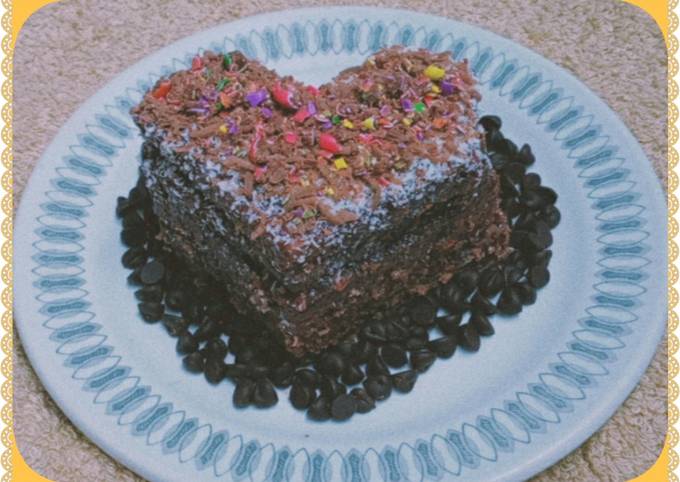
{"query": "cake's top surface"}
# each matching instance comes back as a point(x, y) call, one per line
point(298, 161)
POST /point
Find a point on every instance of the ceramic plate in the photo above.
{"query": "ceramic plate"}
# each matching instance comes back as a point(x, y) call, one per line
point(535, 391)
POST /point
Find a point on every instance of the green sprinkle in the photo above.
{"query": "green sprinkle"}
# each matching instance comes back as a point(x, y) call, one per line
point(219, 106)
point(336, 119)
point(222, 84)
point(309, 213)
point(227, 61)
point(419, 107)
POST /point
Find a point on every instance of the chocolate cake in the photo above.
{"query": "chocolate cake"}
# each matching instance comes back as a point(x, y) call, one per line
point(321, 208)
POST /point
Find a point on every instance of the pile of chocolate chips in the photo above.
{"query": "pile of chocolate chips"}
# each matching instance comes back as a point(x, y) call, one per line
point(387, 356)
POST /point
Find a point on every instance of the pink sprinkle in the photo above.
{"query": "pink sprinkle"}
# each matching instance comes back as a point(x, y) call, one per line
point(312, 90)
point(259, 172)
point(365, 138)
point(383, 182)
point(301, 115)
point(291, 137)
point(325, 154)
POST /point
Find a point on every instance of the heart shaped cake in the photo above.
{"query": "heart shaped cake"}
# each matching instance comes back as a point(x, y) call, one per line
point(319, 208)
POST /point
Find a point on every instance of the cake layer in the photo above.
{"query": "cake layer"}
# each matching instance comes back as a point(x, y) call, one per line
point(468, 228)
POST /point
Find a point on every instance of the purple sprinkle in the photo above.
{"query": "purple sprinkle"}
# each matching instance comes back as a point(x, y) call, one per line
point(447, 87)
point(406, 104)
point(233, 127)
point(257, 97)
point(311, 108)
point(327, 125)
point(299, 212)
point(267, 112)
point(420, 135)
point(385, 110)
point(199, 110)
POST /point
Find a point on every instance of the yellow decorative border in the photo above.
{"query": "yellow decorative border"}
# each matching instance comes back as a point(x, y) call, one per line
point(672, 435)
point(6, 227)
point(18, 11)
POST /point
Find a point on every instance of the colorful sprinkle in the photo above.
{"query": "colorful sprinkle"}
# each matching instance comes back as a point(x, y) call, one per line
point(162, 90)
point(282, 96)
point(407, 105)
point(329, 143)
point(223, 129)
point(385, 110)
point(365, 138)
point(435, 88)
point(311, 108)
point(225, 100)
point(428, 99)
point(301, 115)
point(340, 163)
point(222, 84)
point(312, 90)
point(439, 123)
point(369, 123)
point(419, 107)
point(196, 63)
point(257, 97)
point(447, 87)
point(266, 112)
point(406, 121)
point(227, 61)
point(291, 137)
point(335, 119)
point(309, 213)
point(348, 124)
point(383, 182)
point(259, 172)
point(329, 190)
point(434, 72)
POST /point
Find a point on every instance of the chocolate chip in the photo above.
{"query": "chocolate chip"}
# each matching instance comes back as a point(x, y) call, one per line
point(467, 280)
point(282, 375)
point(531, 181)
point(443, 347)
point(509, 303)
point(422, 311)
point(174, 299)
point(468, 338)
point(404, 382)
point(151, 312)
point(526, 156)
point(186, 343)
point(491, 282)
point(150, 293)
point(152, 272)
point(134, 258)
point(449, 324)
point(365, 402)
point(133, 237)
point(174, 325)
point(236, 371)
point(526, 293)
point(352, 375)
point(331, 388)
point(122, 206)
point(481, 323)
point(206, 330)
point(243, 393)
point(363, 351)
point(216, 348)
point(319, 410)
point(132, 219)
point(214, 371)
point(394, 356)
point(343, 407)
point(422, 360)
point(376, 366)
point(301, 395)
point(482, 304)
point(332, 364)
point(374, 331)
point(194, 362)
point(264, 395)
point(308, 377)
point(539, 276)
point(551, 215)
point(379, 388)
point(490, 122)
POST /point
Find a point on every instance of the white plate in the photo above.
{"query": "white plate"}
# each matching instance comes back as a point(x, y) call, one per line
point(535, 391)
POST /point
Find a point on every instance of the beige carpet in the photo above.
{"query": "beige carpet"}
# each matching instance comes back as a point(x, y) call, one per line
point(69, 50)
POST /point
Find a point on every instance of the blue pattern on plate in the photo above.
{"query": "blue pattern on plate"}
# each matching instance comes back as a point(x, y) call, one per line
point(558, 389)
